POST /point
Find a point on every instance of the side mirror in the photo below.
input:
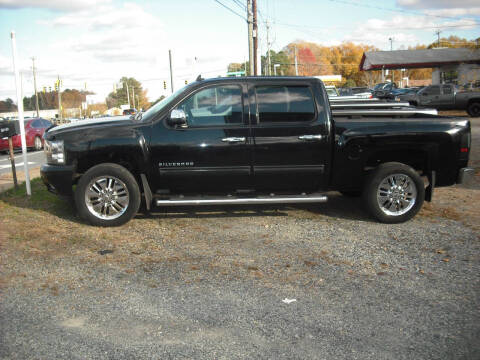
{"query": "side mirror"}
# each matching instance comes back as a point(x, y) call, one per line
point(424, 94)
point(177, 117)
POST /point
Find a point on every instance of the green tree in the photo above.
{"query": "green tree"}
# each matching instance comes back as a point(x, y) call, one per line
point(119, 97)
point(280, 58)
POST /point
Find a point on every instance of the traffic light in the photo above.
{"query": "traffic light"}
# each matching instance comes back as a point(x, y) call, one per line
point(164, 84)
point(186, 82)
point(49, 89)
point(56, 85)
point(44, 89)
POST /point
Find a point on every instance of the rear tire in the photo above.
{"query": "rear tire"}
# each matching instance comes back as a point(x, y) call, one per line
point(473, 109)
point(107, 195)
point(393, 193)
point(37, 143)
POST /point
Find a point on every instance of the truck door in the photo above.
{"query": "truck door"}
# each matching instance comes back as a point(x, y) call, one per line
point(446, 100)
point(290, 137)
point(212, 152)
point(430, 95)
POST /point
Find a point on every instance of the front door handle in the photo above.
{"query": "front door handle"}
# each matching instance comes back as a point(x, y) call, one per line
point(233, 139)
point(310, 137)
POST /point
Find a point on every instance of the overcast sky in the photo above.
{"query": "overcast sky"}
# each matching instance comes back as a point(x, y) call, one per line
point(98, 41)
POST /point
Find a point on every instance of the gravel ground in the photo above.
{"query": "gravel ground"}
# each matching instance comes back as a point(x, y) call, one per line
point(209, 283)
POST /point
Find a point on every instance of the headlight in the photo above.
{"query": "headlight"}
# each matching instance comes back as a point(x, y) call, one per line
point(54, 151)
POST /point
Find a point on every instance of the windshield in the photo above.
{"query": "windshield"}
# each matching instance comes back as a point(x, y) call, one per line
point(160, 105)
point(380, 86)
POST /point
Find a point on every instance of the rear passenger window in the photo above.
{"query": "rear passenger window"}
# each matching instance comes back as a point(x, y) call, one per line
point(446, 89)
point(37, 124)
point(433, 90)
point(278, 104)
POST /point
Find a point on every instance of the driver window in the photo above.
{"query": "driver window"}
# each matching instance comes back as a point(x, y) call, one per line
point(214, 106)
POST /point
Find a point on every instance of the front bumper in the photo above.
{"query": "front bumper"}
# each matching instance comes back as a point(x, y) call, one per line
point(465, 175)
point(58, 178)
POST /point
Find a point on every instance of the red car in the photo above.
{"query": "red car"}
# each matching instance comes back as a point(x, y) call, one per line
point(34, 129)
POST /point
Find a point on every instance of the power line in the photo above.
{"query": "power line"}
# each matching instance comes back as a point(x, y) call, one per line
point(240, 5)
point(230, 9)
point(377, 29)
point(393, 10)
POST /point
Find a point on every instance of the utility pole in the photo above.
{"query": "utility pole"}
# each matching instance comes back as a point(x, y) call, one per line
point(250, 36)
point(60, 117)
point(171, 72)
point(133, 96)
point(438, 37)
point(128, 94)
point(255, 38)
point(269, 72)
point(35, 86)
point(296, 63)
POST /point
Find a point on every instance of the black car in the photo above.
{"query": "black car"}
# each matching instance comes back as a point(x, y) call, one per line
point(383, 90)
point(255, 140)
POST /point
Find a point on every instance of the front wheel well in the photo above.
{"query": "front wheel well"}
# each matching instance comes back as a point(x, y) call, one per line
point(124, 160)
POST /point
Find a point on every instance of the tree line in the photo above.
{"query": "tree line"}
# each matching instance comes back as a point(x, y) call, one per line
point(344, 59)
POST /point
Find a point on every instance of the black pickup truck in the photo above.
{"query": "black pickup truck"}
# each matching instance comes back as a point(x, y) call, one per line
point(254, 140)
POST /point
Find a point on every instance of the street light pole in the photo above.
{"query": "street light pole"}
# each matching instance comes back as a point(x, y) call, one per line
point(35, 86)
point(171, 72)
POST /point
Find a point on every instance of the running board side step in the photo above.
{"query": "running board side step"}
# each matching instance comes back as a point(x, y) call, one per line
point(231, 200)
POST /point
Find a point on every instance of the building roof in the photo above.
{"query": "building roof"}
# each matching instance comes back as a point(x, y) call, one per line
point(427, 58)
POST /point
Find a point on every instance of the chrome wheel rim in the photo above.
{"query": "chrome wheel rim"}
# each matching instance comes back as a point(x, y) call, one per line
point(107, 197)
point(396, 194)
point(38, 143)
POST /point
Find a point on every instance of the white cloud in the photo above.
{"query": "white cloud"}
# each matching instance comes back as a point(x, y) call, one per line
point(57, 5)
point(437, 4)
point(454, 12)
point(103, 43)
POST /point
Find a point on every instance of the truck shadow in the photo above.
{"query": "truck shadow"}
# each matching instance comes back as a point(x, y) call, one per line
point(338, 206)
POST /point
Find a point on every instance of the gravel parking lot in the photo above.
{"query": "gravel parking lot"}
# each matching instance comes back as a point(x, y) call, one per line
point(208, 283)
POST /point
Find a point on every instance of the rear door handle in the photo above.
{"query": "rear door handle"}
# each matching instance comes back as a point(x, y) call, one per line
point(233, 139)
point(310, 137)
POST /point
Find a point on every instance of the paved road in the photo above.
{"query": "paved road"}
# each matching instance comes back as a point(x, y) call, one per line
point(35, 159)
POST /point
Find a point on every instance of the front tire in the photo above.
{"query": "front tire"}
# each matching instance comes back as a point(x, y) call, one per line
point(473, 109)
point(394, 193)
point(107, 195)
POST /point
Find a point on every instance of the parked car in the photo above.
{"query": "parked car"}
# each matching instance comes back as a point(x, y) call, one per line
point(250, 141)
point(383, 90)
point(34, 130)
point(131, 111)
point(331, 91)
point(360, 92)
point(447, 97)
point(396, 93)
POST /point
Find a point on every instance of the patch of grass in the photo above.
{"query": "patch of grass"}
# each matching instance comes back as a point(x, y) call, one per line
point(40, 199)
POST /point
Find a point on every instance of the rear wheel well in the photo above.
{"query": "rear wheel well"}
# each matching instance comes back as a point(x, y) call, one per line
point(474, 100)
point(417, 159)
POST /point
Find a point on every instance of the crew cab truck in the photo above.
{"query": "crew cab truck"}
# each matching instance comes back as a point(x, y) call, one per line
point(253, 140)
point(446, 97)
